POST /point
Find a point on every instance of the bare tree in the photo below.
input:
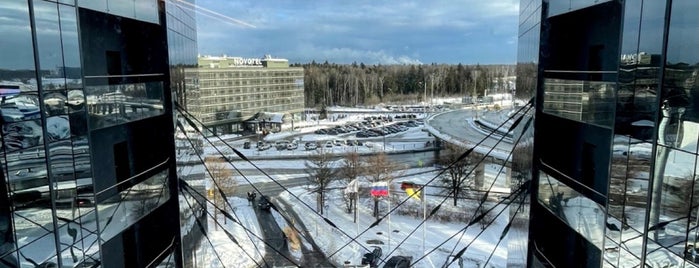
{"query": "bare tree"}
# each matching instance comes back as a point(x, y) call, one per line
point(223, 177)
point(455, 176)
point(321, 172)
point(379, 168)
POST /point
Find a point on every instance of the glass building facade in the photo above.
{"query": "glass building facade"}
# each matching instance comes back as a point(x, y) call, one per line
point(87, 155)
point(616, 178)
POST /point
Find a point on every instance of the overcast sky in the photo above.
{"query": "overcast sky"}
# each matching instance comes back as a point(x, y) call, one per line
point(368, 31)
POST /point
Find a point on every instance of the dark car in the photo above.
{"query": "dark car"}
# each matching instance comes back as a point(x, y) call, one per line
point(246, 145)
point(264, 203)
point(372, 258)
point(398, 262)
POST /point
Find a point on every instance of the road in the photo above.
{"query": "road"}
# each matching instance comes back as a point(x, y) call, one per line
point(455, 124)
point(273, 235)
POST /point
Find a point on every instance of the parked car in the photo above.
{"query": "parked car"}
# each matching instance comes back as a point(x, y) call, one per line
point(263, 146)
point(398, 262)
point(329, 144)
point(246, 145)
point(264, 203)
point(372, 258)
point(292, 146)
point(311, 146)
point(281, 145)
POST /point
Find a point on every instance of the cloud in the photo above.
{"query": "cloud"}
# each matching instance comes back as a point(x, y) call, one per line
point(364, 30)
point(366, 56)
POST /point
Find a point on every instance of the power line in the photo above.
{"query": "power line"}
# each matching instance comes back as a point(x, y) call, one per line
point(218, 187)
point(480, 205)
point(203, 231)
point(463, 156)
point(228, 161)
point(485, 195)
point(504, 232)
point(227, 215)
point(193, 125)
point(520, 191)
point(230, 236)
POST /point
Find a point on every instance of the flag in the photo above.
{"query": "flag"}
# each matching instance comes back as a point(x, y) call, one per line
point(379, 189)
point(409, 188)
point(352, 187)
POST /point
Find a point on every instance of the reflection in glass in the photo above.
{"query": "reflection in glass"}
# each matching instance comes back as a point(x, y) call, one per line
point(98, 5)
point(57, 128)
point(38, 255)
point(565, 6)
point(124, 8)
point(118, 212)
point(48, 41)
point(116, 104)
point(673, 186)
point(18, 103)
point(658, 256)
point(17, 52)
point(71, 69)
point(579, 212)
point(55, 102)
point(147, 10)
point(584, 101)
point(22, 135)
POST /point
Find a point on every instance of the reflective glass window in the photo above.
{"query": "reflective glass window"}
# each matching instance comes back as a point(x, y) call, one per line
point(120, 211)
point(48, 39)
point(579, 212)
point(97, 5)
point(17, 59)
point(71, 69)
point(110, 105)
point(124, 8)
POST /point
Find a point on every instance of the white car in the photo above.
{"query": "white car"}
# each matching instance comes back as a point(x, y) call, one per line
point(292, 146)
point(311, 146)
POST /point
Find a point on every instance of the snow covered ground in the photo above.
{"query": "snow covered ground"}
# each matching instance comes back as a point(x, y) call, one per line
point(397, 234)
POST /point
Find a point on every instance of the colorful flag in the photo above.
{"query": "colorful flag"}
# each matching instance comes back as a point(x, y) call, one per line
point(409, 188)
point(379, 189)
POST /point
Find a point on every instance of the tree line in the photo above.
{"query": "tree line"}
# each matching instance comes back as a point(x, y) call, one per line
point(328, 84)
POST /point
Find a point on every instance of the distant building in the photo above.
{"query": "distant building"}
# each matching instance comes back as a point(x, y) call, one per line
point(614, 157)
point(234, 94)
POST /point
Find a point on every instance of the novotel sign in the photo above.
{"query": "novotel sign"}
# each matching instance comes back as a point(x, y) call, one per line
point(247, 61)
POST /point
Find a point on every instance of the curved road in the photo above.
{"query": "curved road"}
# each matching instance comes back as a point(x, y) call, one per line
point(455, 124)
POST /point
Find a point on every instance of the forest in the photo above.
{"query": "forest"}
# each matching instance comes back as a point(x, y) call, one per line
point(328, 84)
